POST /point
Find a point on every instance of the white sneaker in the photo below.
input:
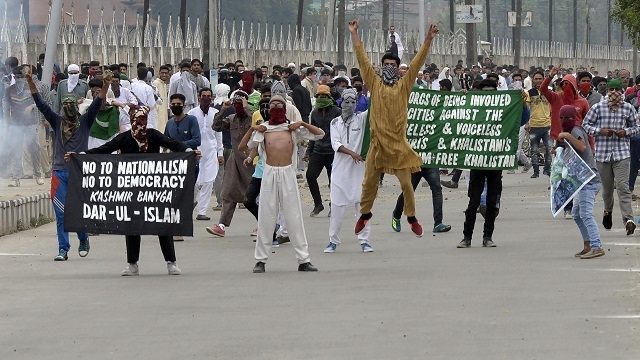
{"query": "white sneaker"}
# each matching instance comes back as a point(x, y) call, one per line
point(130, 270)
point(172, 268)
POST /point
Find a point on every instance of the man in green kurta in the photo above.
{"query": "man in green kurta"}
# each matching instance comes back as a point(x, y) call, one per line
point(389, 150)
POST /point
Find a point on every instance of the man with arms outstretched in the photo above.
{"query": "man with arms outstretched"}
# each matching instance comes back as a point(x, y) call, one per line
point(389, 150)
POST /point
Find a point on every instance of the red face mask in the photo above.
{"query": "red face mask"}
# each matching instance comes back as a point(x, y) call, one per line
point(585, 88)
point(239, 108)
point(277, 114)
point(568, 93)
point(568, 124)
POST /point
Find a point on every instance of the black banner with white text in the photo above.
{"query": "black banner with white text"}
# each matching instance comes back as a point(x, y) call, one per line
point(131, 194)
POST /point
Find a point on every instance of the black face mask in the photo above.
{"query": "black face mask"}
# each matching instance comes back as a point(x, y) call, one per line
point(177, 110)
point(358, 88)
point(265, 114)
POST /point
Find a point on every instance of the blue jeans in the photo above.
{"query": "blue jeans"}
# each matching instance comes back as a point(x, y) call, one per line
point(432, 176)
point(583, 214)
point(59, 182)
point(535, 135)
point(634, 149)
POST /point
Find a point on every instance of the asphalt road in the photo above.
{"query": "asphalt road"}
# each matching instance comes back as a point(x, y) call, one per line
point(412, 298)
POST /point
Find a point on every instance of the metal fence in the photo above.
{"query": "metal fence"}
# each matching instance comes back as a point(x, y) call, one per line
point(267, 44)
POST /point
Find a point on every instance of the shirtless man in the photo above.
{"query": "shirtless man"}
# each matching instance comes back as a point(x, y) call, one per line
point(277, 143)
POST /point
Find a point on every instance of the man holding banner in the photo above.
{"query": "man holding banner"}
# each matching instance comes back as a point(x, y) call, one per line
point(389, 151)
point(141, 139)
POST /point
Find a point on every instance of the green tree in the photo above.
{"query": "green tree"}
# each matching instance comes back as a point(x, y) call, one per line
point(626, 13)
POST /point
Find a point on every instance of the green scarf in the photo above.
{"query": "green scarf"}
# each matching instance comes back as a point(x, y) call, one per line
point(106, 124)
point(322, 103)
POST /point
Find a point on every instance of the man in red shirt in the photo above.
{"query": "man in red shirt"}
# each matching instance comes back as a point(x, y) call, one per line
point(569, 96)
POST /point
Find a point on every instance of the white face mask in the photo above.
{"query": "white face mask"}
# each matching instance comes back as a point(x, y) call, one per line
point(72, 81)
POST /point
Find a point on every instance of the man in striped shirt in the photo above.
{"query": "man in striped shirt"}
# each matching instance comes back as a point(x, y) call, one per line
point(613, 122)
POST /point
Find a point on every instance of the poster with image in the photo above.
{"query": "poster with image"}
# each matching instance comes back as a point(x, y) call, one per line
point(569, 174)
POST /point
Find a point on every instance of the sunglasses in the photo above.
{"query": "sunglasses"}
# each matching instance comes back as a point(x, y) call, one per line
point(276, 105)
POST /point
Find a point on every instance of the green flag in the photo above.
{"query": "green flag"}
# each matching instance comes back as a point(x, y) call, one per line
point(477, 130)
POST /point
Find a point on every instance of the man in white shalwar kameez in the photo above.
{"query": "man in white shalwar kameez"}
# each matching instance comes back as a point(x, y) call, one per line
point(277, 143)
point(211, 149)
point(347, 133)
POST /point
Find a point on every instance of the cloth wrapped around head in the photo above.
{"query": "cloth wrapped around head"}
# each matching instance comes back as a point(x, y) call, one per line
point(236, 100)
point(221, 91)
point(568, 116)
point(349, 100)
point(278, 88)
point(247, 82)
point(278, 110)
point(70, 116)
point(138, 116)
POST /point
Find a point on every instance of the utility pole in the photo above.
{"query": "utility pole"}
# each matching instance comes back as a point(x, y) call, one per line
point(452, 16)
point(52, 41)
point(609, 22)
point(550, 20)
point(472, 42)
point(183, 18)
point(421, 21)
point(214, 48)
point(341, 23)
point(329, 37)
point(575, 28)
point(487, 12)
point(145, 12)
point(385, 16)
point(299, 20)
point(517, 33)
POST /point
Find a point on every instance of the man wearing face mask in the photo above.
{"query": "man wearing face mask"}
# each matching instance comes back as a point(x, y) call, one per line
point(569, 96)
point(22, 126)
point(583, 202)
point(389, 151)
point(237, 176)
point(277, 141)
point(310, 82)
point(320, 152)
point(347, 134)
point(301, 97)
point(183, 85)
point(612, 123)
point(362, 102)
point(71, 134)
point(184, 128)
point(211, 149)
point(586, 91)
point(72, 85)
point(339, 84)
point(601, 85)
point(141, 139)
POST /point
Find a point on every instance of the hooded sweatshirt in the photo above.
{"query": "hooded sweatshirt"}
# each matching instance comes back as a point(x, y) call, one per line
point(301, 97)
point(556, 102)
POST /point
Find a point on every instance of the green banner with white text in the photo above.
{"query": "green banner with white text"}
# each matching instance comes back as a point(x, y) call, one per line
point(477, 130)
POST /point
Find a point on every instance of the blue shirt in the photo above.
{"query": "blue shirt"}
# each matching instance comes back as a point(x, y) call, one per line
point(186, 130)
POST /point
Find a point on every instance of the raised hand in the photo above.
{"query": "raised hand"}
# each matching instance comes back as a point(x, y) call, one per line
point(107, 76)
point(433, 31)
point(353, 25)
point(554, 71)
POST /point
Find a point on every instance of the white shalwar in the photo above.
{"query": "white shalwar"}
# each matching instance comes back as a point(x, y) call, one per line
point(346, 174)
point(211, 148)
point(279, 191)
